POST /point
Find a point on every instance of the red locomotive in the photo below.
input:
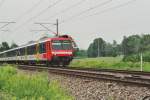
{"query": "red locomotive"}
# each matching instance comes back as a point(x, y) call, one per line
point(51, 51)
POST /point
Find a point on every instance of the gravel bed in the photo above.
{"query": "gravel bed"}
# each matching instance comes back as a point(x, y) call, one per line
point(87, 89)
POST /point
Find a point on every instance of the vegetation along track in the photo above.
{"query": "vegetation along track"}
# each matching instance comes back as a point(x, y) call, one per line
point(128, 77)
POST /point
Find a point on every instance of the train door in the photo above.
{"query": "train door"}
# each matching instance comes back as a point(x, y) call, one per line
point(48, 51)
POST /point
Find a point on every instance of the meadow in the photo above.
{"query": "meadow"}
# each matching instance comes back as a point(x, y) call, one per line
point(20, 86)
point(109, 63)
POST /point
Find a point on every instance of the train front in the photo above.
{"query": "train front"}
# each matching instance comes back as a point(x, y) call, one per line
point(62, 51)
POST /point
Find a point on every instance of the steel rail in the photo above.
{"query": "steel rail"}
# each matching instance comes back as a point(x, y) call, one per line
point(114, 76)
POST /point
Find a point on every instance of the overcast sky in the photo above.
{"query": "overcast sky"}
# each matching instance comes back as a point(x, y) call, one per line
point(101, 20)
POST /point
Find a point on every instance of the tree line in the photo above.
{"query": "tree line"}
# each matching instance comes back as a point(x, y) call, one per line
point(100, 48)
point(135, 45)
point(131, 48)
point(5, 46)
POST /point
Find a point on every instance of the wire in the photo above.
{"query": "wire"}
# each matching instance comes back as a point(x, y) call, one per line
point(1, 2)
point(39, 14)
point(45, 10)
point(29, 10)
point(103, 11)
point(87, 10)
point(66, 9)
point(112, 8)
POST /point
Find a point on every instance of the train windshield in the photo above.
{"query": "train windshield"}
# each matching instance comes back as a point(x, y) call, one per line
point(61, 45)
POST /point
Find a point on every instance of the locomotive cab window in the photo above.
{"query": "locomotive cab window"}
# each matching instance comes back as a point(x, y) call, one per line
point(61, 45)
point(66, 44)
point(56, 45)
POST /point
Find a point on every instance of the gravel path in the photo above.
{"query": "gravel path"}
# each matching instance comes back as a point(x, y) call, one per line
point(87, 89)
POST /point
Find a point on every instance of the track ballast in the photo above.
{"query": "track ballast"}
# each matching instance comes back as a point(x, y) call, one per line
point(121, 76)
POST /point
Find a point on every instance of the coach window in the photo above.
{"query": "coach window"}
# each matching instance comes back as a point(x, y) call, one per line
point(31, 50)
point(6, 54)
point(18, 52)
point(13, 53)
point(9, 53)
point(22, 51)
point(42, 48)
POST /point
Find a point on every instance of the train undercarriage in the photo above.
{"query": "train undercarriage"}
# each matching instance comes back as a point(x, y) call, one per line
point(55, 62)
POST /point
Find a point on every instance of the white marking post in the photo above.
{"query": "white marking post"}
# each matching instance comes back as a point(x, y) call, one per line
point(141, 62)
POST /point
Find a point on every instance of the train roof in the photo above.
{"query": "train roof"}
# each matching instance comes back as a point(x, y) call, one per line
point(45, 39)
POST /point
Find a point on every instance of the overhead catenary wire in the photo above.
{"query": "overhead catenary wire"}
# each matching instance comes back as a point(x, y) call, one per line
point(5, 24)
point(101, 12)
point(112, 8)
point(39, 14)
point(88, 10)
point(46, 27)
point(66, 9)
point(29, 10)
point(1, 2)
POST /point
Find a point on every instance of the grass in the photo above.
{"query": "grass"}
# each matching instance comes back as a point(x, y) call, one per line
point(109, 63)
point(19, 86)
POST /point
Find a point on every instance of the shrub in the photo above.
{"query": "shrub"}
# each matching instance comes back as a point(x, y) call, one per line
point(132, 58)
point(136, 58)
point(5, 73)
point(5, 96)
point(29, 87)
point(146, 56)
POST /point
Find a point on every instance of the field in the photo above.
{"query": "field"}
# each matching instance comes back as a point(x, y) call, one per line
point(15, 85)
point(109, 63)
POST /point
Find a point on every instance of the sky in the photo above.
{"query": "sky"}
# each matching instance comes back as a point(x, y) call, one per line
point(84, 20)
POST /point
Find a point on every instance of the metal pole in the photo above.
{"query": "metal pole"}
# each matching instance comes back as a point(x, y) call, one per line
point(98, 48)
point(141, 62)
point(57, 27)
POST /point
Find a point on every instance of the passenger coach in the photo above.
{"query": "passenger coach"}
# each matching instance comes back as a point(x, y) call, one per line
point(51, 51)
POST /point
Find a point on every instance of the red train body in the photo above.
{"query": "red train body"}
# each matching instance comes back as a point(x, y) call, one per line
point(50, 51)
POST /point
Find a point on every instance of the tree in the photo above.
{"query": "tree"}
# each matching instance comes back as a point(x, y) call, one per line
point(134, 45)
point(4, 46)
point(131, 44)
point(1, 49)
point(13, 45)
point(145, 43)
point(97, 48)
point(90, 51)
point(81, 53)
point(113, 50)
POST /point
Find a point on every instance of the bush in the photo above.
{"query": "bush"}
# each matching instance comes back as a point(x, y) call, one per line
point(136, 58)
point(5, 96)
point(109, 63)
point(132, 58)
point(146, 56)
point(5, 73)
point(29, 87)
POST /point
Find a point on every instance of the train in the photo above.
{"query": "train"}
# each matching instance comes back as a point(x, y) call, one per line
point(54, 51)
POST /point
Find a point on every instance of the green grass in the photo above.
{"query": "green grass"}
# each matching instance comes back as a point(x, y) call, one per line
point(109, 63)
point(19, 86)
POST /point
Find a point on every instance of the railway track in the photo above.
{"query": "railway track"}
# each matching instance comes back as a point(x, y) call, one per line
point(121, 76)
